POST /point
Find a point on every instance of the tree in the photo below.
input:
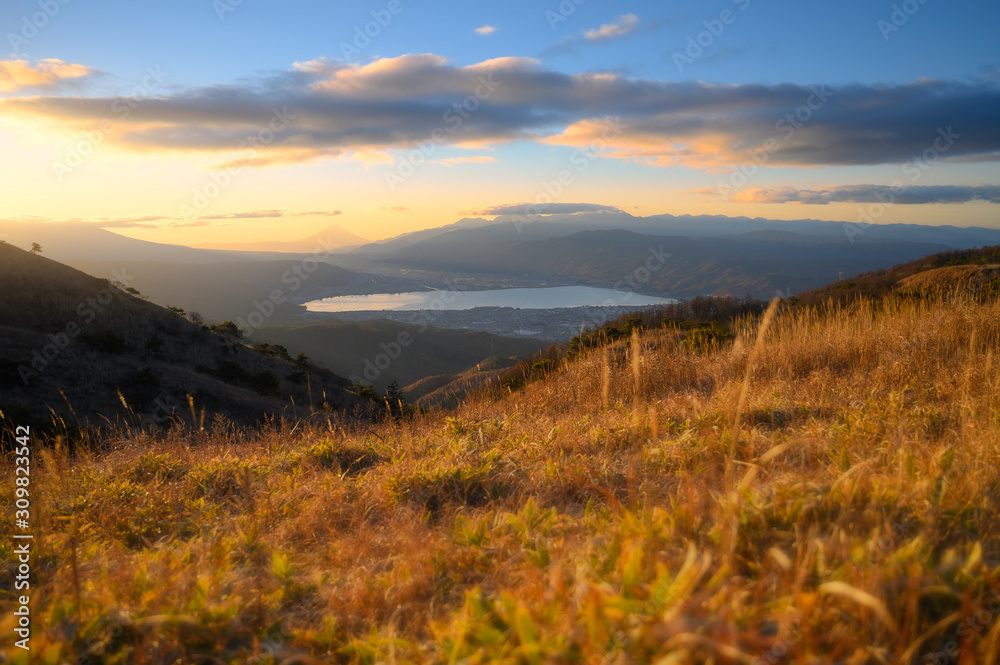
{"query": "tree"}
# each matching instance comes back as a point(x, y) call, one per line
point(227, 329)
point(395, 401)
point(35, 248)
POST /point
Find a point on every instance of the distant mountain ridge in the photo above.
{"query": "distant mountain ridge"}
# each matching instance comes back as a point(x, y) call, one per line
point(331, 238)
point(65, 241)
point(758, 263)
point(389, 245)
point(522, 227)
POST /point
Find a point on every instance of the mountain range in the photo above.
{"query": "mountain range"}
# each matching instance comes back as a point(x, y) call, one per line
point(330, 238)
point(704, 254)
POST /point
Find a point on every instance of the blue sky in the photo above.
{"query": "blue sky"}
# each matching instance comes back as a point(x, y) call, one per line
point(925, 64)
point(793, 42)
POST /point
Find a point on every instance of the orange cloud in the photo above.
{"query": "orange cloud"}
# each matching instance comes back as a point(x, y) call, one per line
point(17, 74)
point(607, 137)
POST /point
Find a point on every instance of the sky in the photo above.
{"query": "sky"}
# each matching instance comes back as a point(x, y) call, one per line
point(206, 121)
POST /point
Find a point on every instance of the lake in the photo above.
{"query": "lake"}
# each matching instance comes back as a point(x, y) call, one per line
point(537, 298)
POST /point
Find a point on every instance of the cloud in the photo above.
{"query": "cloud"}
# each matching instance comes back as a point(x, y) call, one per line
point(454, 161)
point(399, 209)
point(621, 26)
point(252, 214)
point(196, 223)
point(18, 74)
point(264, 214)
point(912, 195)
point(144, 222)
point(485, 30)
point(715, 127)
point(150, 221)
point(326, 109)
point(541, 209)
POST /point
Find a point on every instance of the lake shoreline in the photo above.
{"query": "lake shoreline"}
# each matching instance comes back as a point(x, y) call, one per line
point(538, 298)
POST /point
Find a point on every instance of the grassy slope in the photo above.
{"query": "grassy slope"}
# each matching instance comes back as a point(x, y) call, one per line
point(845, 511)
point(448, 390)
point(878, 283)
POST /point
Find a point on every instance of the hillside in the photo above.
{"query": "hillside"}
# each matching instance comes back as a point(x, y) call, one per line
point(352, 348)
point(446, 391)
point(824, 488)
point(970, 270)
point(86, 350)
point(74, 241)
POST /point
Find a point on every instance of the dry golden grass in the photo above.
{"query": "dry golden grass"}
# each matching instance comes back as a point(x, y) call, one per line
point(972, 278)
point(636, 506)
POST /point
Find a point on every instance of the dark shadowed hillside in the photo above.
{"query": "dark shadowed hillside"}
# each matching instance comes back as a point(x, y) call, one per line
point(84, 349)
point(354, 348)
